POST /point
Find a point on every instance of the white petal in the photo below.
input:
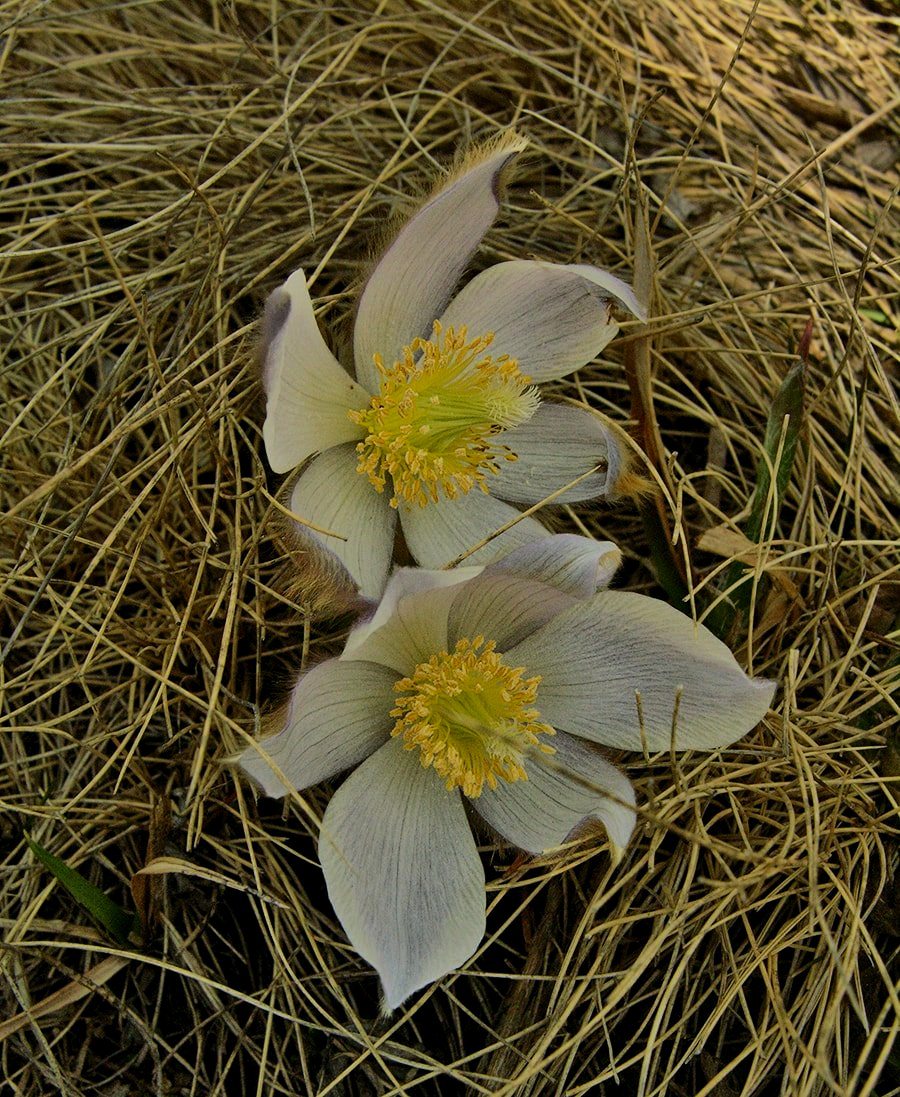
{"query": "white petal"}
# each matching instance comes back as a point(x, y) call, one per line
point(611, 286)
point(563, 791)
point(404, 581)
point(440, 532)
point(503, 608)
point(594, 658)
point(551, 318)
point(556, 446)
point(339, 713)
point(332, 495)
point(576, 565)
point(308, 392)
point(403, 872)
point(416, 630)
point(413, 280)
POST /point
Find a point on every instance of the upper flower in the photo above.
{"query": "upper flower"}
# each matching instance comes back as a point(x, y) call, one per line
point(443, 424)
point(489, 686)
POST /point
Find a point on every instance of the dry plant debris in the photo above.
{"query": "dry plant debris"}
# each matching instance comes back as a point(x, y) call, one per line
point(166, 163)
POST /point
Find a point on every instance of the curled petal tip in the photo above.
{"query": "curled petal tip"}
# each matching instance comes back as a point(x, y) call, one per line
point(308, 392)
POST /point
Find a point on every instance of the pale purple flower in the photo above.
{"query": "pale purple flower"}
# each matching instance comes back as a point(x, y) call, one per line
point(494, 687)
point(441, 426)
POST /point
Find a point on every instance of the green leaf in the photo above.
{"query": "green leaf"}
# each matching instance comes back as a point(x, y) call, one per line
point(117, 921)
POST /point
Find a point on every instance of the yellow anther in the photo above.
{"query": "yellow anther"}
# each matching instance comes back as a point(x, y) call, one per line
point(471, 716)
point(433, 426)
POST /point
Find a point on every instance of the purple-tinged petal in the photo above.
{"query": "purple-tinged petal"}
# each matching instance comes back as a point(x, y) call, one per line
point(552, 319)
point(622, 662)
point(563, 791)
point(440, 532)
point(414, 631)
point(503, 608)
point(416, 275)
point(575, 565)
point(338, 714)
point(611, 286)
point(403, 872)
point(403, 582)
point(555, 447)
point(308, 392)
point(358, 523)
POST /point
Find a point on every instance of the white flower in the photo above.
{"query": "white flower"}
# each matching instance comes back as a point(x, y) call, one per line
point(489, 685)
point(442, 420)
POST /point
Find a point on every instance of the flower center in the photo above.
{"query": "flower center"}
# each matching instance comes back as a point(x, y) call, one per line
point(434, 422)
point(471, 717)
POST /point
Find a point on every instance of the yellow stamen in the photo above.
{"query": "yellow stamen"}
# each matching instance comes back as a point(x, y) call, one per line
point(471, 717)
point(433, 424)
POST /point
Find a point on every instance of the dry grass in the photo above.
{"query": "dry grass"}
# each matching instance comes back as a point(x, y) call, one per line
point(167, 163)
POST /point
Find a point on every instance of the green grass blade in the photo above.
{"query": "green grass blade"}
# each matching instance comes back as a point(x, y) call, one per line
point(779, 448)
point(117, 921)
point(783, 426)
point(662, 557)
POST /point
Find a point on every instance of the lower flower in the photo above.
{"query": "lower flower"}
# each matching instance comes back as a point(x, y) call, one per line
point(493, 686)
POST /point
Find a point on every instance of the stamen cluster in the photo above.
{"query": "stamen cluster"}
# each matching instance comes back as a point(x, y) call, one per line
point(471, 716)
point(432, 427)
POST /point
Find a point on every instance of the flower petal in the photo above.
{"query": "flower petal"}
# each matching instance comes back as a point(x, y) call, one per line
point(576, 565)
point(503, 608)
point(403, 581)
point(403, 872)
point(551, 318)
point(611, 286)
point(332, 495)
point(415, 630)
point(414, 278)
point(594, 658)
point(308, 392)
point(440, 532)
point(556, 446)
point(339, 713)
point(563, 791)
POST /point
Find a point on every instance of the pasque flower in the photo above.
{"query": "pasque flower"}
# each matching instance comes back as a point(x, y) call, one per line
point(442, 425)
point(489, 686)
